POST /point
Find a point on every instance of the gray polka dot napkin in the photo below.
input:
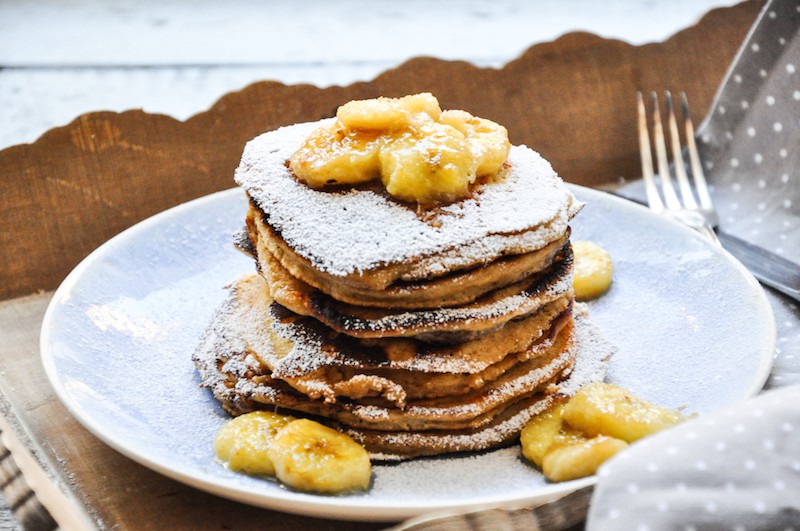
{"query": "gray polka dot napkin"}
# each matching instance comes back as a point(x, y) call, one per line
point(738, 469)
point(750, 146)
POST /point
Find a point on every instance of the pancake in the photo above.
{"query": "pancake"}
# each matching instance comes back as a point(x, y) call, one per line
point(478, 420)
point(364, 238)
point(456, 288)
point(440, 325)
point(328, 366)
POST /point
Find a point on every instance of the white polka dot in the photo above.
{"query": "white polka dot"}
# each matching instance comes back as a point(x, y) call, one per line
point(770, 100)
point(787, 427)
point(785, 178)
point(762, 73)
point(692, 435)
point(729, 486)
point(790, 68)
point(706, 138)
point(680, 487)
point(760, 507)
point(762, 206)
point(739, 428)
point(778, 485)
point(779, 250)
point(755, 232)
point(643, 527)
point(772, 14)
point(740, 528)
point(662, 506)
point(632, 488)
point(787, 203)
point(652, 468)
point(701, 465)
point(672, 450)
point(758, 219)
point(755, 47)
point(778, 127)
point(731, 219)
point(613, 514)
point(745, 105)
point(721, 109)
point(603, 472)
point(735, 163)
point(737, 78)
point(783, 153)
point(796, 94)
point(762, 183)
point(710, 507)
point(690, 528)
point(749, 464)
point(782, 41)
point(783, 238)
point(758, 158)
point(751, 131)
point(728, 135)
point(721, 446)
point(709, 164)
point(768, 445)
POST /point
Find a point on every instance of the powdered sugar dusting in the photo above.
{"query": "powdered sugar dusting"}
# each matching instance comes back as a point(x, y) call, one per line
point(353, 231)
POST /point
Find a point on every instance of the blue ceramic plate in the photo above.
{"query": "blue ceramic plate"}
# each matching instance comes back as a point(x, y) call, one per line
point(693, 329)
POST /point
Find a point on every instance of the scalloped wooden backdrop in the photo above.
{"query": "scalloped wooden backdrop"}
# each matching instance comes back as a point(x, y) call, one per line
point(571, 99)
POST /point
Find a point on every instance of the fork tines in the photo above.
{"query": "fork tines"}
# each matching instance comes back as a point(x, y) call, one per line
point(702, 204)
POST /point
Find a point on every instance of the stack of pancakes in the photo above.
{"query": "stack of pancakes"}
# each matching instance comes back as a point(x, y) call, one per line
point(415, 332)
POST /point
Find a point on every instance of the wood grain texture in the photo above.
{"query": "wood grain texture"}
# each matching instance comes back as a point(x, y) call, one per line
point(571, 99)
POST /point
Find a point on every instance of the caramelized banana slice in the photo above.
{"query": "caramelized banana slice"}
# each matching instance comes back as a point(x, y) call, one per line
point(332, 155)
point(431, 165)
point(539, 433)
point(610, 410)
point(311, 457)
point(580, 458)
point(388, 113)
point(242, 442)
point(593, 270)
point(487, 140)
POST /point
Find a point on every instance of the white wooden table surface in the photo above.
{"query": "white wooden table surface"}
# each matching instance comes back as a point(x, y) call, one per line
point(61, 59)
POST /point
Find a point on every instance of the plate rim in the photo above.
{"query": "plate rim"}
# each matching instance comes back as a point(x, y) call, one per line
point(338, 507)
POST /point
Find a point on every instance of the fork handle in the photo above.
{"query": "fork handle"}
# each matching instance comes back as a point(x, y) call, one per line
point(769, 268)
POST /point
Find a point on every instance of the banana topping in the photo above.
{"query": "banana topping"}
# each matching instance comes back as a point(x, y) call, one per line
point(593, 270)
point(242, 442)
point(311, 457)
point(571, 440)
point(420, 153)
point(302, 453)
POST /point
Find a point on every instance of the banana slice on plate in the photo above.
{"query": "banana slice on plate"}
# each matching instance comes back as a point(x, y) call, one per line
point(242, 442)
point(593, 270)
point(604, 408)
point(311, 457)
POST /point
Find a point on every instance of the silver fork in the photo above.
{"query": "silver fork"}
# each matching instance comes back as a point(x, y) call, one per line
point(699, 213)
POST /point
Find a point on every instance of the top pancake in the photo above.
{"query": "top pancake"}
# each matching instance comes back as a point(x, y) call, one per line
point(356, 232)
